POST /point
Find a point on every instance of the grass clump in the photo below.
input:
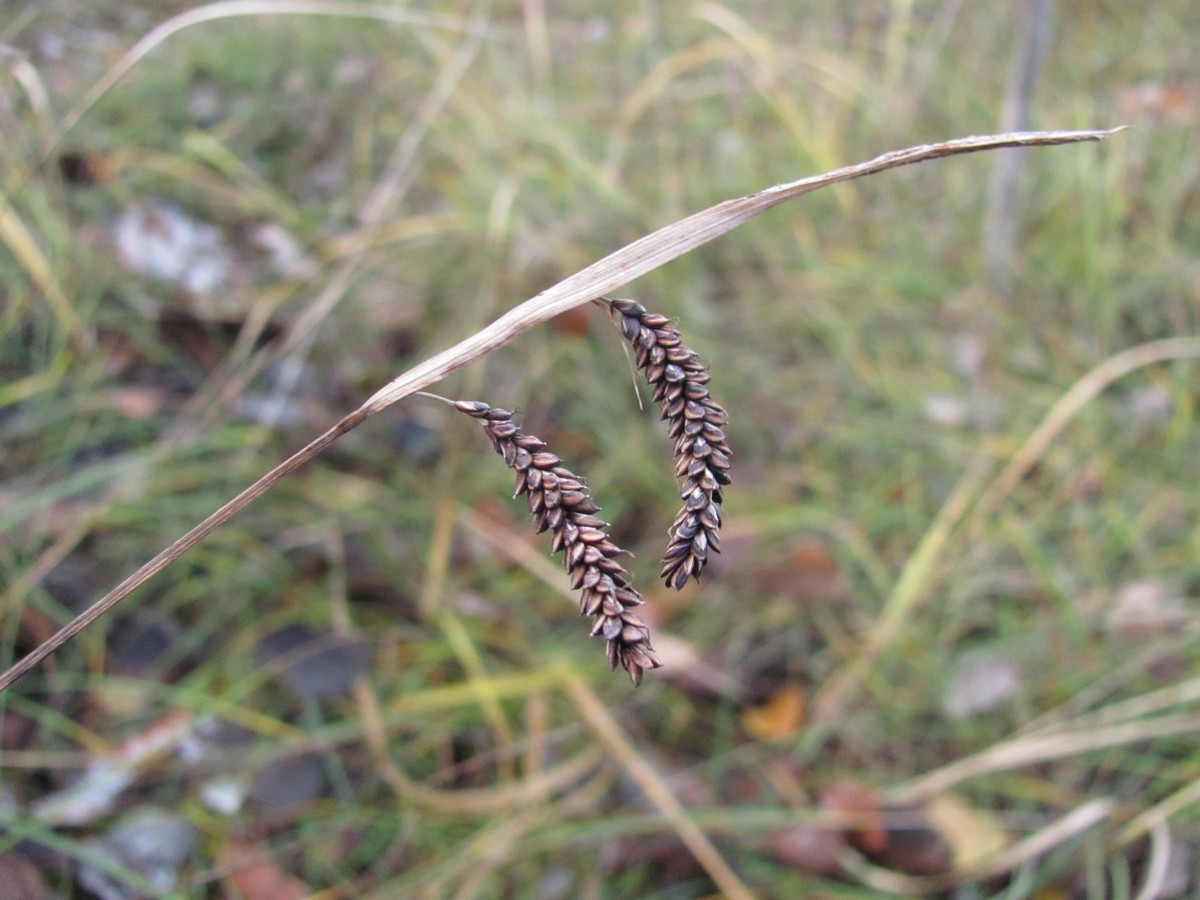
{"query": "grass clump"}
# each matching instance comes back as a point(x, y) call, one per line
point(923, 490)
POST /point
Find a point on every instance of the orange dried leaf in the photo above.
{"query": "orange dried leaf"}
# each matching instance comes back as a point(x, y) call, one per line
point(780, 717)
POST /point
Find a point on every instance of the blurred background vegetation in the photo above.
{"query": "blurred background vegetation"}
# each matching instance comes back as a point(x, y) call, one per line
point(951, 644)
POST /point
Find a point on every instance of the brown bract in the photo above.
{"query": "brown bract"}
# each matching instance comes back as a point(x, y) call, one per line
point(702, 454)
point(562, 503)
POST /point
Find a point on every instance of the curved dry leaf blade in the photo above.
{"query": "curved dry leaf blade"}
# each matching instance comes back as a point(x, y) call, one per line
point(672, 241)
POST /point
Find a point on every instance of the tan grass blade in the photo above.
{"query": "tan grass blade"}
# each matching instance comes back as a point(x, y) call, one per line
point(239, 367)
point(968, 507)
point(1041, 842)
point(1147, 821)
point(608, 274)
point(385, 12)
point(1158, 868)
point(1032, 750)
point(1173, 696)
point(1068, 406)
point(657, 791)
point(21, 242)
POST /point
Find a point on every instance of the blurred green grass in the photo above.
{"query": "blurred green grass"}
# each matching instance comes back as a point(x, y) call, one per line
point(829, 324)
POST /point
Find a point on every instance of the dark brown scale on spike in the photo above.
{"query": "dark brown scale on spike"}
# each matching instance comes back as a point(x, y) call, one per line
point(695, 424)
point(561, 502)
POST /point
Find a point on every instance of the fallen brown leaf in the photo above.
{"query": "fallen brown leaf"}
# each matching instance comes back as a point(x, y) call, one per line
point(255, 876)
point(806, 572)
point(20, 879)
point(865, 804)
point(807, 848)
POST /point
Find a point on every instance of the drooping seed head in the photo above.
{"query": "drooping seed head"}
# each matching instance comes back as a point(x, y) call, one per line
point(702, 456)
point(562, 503)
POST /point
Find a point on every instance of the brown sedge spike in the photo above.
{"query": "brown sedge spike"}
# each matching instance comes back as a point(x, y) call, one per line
point(696, 425)
point(562, 503)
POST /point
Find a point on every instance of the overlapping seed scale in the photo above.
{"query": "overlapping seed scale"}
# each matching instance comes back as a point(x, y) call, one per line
point(562, 503)
point(695, 424)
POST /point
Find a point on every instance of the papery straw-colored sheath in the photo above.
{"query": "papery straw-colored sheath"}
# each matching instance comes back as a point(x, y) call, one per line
point(702, 454)
point(562, 503)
